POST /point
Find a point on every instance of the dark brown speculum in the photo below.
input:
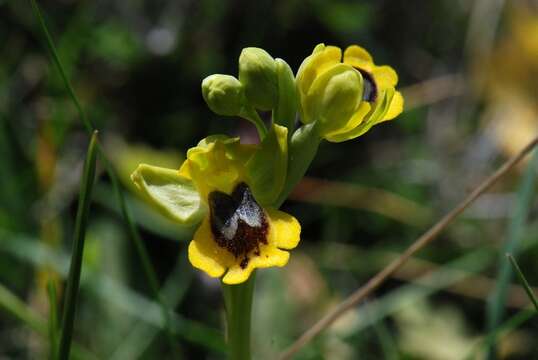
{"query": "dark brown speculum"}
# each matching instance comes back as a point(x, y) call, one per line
point(370, 88)
point(238, 223)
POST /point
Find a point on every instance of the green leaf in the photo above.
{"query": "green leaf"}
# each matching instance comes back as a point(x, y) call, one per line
point(523, 281)
point(268, 166)
point(174, 195)
point(73, 281)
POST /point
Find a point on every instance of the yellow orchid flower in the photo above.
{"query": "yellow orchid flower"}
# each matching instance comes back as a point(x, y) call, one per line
point(346, 96)
point(228, 188)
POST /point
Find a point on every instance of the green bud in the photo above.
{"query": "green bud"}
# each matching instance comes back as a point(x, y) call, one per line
point(224, 94)
point(258, 74)
point(286, 107)
point(334, 98)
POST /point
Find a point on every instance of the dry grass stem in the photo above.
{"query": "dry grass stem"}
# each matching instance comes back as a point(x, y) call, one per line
point(390, 269)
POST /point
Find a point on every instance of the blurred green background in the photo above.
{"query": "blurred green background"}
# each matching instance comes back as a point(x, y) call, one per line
point(469, 73)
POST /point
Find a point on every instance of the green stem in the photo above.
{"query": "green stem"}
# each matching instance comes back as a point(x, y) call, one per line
point(238, 301)
point(303, 148)
point(73, 280)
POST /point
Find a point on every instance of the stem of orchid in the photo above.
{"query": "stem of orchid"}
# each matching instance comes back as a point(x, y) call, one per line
point(238, 301)
point(252, 115)
point(302, 149)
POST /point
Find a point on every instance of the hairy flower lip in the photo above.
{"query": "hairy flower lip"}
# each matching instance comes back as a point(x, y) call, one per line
point(238, 222)
point(219, 165)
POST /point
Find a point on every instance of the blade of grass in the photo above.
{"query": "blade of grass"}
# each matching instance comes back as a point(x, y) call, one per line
point(147, 267)
point(496, 303)
point(371, 285)
point(386, 341)
point(117, 294)
point(10, 303)
point(491, 338)
point(73, 281)
point(523, 280)
point(53, 320)
point(142, 334)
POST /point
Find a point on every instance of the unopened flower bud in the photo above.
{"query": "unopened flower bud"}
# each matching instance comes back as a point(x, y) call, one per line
point(224, 94)
point(258, 74)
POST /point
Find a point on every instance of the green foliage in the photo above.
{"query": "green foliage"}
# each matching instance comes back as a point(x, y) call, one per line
point(368, 200)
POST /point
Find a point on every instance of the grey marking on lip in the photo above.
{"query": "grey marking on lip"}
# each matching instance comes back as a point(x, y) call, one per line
point(370, 87)
point(238, 222)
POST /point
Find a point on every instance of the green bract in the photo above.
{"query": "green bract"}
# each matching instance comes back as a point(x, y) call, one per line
point(174, 195)
point(258, 74)
point(267, 167)
point(223, 94)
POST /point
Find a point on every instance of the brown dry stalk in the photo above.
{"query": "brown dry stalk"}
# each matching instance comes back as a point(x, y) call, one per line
point(420, 243)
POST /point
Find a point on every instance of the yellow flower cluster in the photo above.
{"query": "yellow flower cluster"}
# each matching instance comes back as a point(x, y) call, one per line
point(346, 96)
point(232, 190)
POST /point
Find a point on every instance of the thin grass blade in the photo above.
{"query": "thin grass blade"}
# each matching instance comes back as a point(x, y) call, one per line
point(11, 304)
point(505, 328)
point(497, 300)
point(133, 232)
point(73, 279)
point(107, 289)
point(53, 320)
point(523, 280)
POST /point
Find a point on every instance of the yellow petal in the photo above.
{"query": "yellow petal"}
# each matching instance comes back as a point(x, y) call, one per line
point(395, 108)
point(334, 97)
point(217, 163)
point(355, 121)
point(330, 56)
point(357, 56)
point(206, 255)
point(318, 48)
point(379, 112)
point(285, 230)
point(269, 256)
point(184, 170)
point(236, 274)
point(321, 60)
point(385, 76)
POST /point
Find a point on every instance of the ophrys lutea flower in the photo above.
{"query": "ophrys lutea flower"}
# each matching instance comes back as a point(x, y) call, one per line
point(346, 95)
point(229, 189)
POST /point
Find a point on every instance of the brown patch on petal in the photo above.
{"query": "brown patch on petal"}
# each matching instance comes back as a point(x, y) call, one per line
point(238, 223)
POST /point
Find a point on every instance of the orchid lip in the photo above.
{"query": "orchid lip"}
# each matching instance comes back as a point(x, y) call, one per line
point(238, 223)
point(370, 88)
